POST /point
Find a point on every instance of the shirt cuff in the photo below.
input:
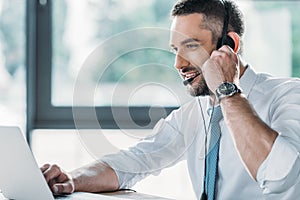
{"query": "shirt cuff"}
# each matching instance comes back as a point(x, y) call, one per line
point(125, 179)
point(280, 169)
point(119, 174)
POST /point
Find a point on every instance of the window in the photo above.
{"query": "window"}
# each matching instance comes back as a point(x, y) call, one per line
point(107, 64)
point(271, 30)
point(106, 60)
point(118, 49)
point(12, 63)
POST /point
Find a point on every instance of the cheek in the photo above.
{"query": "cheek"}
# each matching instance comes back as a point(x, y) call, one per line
point(198, 57)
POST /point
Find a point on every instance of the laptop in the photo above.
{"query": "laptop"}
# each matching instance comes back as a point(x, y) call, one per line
point(20, 176)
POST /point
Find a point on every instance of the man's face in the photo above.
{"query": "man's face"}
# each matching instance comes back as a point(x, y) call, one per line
point(192, 45)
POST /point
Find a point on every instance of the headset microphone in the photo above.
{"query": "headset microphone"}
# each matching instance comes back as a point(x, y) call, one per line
point(187, 81)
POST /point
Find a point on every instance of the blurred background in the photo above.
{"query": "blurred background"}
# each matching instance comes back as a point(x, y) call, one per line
point(136, 71)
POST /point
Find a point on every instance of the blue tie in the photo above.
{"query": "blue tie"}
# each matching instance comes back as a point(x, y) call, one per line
point(213, 153)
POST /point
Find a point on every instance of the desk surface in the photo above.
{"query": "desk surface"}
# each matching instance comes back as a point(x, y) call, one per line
point(109, 196)
point(134, 195)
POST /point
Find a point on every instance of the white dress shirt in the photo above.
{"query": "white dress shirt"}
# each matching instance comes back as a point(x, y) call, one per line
point(182, 134)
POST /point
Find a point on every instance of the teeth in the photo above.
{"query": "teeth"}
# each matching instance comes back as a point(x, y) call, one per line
point(191, 75)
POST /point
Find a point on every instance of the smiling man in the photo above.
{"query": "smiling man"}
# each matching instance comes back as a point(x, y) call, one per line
point(250, 152)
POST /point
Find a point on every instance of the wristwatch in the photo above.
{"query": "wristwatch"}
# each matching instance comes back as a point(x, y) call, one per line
point(226, 89)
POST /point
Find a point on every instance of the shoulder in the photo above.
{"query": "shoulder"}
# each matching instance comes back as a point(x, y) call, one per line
point(267, 83)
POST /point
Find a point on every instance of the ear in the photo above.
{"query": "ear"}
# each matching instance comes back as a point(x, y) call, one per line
point(236, 39)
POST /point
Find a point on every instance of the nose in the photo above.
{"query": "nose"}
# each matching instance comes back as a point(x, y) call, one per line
point(180, 62)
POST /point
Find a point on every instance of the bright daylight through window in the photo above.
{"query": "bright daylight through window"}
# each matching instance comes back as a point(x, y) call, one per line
point(118, 49)
point(92, 44)
point(12, 63)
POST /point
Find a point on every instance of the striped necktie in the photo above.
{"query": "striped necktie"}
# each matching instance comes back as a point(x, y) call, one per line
point(213, 153)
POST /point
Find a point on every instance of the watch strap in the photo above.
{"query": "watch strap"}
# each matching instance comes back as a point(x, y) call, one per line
point(220, 93)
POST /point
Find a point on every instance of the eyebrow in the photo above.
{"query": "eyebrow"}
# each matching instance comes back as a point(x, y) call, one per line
point(189, 40)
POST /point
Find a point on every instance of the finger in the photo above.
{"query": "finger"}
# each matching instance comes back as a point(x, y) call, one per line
point(52, 173)
point(63, 188)
point(227, 48)
point(222, 53)
point(44, 167)
point(229, 51)
point(51, 183)
point(63, 177)
point(216, 53)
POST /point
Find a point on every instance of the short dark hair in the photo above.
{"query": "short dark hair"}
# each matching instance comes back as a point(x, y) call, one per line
point(213, 12)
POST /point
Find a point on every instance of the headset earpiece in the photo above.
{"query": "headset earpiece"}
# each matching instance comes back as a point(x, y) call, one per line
point(232, 39)
point(226, 40)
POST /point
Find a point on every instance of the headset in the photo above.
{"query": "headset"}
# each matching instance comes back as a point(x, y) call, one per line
point(228, 38)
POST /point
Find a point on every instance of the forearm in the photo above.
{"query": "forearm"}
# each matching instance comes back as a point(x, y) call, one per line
point(252, 137)
point(95, 177)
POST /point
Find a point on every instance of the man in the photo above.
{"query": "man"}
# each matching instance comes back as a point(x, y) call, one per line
point(258, 149)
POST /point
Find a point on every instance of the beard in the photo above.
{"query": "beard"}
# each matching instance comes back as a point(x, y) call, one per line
point(199, 87)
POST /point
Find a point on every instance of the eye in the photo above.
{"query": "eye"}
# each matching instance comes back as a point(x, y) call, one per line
point(192, 46)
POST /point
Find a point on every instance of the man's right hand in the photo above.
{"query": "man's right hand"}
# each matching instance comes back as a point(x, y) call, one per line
point(59, 181)
point(94, 177)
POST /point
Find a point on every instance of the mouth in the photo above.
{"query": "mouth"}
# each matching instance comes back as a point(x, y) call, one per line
point(189, 72)
point(190, 75)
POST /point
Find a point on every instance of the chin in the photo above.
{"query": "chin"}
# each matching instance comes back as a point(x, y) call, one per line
point(198, 89)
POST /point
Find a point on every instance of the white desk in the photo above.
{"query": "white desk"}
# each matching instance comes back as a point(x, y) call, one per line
point(126, 195)
point(134, 195)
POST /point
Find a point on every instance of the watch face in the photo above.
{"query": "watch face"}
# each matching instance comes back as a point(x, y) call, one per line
point(226, 88)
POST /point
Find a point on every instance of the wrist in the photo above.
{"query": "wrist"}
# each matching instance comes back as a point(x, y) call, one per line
point(72, 183)
point(233, 98)
point(74, 180)
point(226, 90)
